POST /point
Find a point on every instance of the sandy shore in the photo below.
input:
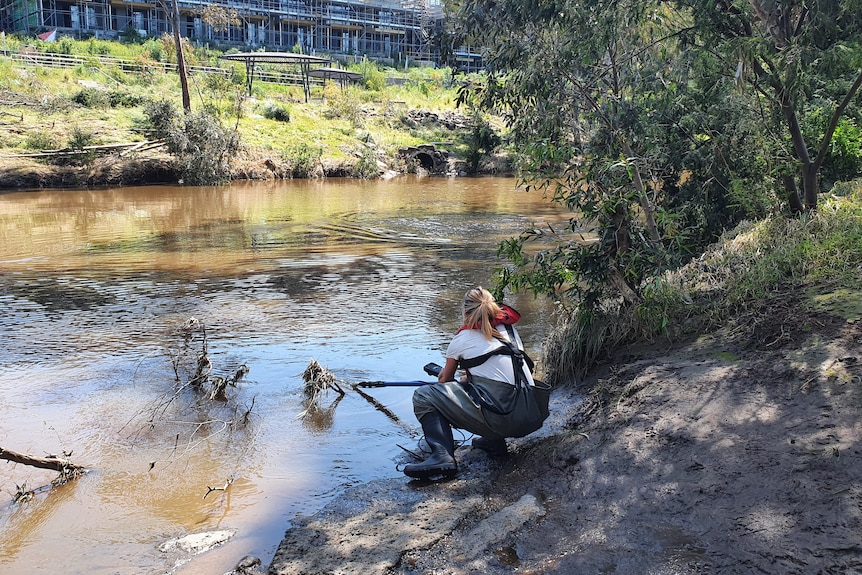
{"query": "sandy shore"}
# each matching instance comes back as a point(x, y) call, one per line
point(707, 457)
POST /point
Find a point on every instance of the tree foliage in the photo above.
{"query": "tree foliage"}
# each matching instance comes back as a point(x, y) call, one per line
point(600, 96)
point(803, 59)
point(659, 124)
point(202, 146)
point(219, 17)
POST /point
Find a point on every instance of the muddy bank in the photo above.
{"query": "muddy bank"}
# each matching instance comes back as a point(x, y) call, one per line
point(26, 173)
point(160, 168)
point(709, 457)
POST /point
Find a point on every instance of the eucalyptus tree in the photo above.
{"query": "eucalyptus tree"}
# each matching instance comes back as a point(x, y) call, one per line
point(804, 59)
point(592, 92)
point(636, 114)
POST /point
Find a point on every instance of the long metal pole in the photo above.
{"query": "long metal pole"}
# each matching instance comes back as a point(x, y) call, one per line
point(393, 383)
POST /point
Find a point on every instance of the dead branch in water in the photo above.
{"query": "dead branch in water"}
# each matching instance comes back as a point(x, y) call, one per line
point(223, 488)
point(67, 470)
point(201, 377)
point(318, 379)
point(219, 384)
point(198, 401)
point(51, 462)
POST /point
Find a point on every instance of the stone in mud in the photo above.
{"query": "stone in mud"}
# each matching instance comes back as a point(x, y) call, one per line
point(197, 542)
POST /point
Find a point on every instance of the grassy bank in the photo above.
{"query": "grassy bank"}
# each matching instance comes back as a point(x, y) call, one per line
point(354, 130)
point(756, 278)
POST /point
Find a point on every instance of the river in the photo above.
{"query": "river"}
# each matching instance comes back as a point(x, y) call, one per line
point(364, 277)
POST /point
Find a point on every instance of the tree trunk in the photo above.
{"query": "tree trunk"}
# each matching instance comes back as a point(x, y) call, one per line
point(55, 463)
point(617, 280)
point(171, 9)
point(792, 194)
point(646, 205)
point(181, 59)
point(810, 185)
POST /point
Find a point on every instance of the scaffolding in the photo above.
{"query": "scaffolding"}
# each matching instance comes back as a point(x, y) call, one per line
point(395, 30)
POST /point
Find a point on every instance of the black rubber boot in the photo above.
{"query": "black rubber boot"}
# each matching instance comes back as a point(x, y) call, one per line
point(438, 435)
point(496, 447)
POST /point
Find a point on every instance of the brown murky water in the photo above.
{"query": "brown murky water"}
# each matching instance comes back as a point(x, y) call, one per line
point(364, 277)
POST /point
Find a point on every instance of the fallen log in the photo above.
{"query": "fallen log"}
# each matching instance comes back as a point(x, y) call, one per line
point(121, 148)
point(52, 462)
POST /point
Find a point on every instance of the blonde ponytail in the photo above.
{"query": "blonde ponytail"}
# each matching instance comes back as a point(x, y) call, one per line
point(480, 310)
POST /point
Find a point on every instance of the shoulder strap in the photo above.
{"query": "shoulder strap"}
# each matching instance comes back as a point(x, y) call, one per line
point(508, 348)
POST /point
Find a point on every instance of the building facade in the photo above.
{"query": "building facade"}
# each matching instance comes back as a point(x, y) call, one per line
point(398, 30)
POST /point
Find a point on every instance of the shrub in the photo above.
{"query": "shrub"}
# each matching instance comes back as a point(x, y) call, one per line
point(132, 36)
point(481, 141)
point(92, 98)
point(154, 48)
point(274, 111)
point(342, 104)
point(304, 159)
point(372, 76)
point(119, 99)
point(40, 140)
point(367, 167)
point(98, 47)
point(159, 117)
point(78, 140)
point(64, 45)
point(203, 148)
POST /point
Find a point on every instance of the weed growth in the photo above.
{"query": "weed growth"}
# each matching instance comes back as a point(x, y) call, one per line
point(304, 160)
point(367, 167)
point(274, 111)
point(40, 140)
point(79, 140)
point(92, 98)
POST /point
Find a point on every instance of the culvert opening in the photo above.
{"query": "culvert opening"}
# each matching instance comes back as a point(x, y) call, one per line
point(425, 160)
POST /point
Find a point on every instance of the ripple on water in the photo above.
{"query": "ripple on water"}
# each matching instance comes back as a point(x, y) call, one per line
point(364, 277)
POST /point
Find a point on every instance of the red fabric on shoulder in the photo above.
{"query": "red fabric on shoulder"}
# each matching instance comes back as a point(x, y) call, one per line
point(507, 316)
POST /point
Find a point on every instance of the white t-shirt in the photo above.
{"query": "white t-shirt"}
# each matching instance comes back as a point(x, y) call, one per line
point(470, 343)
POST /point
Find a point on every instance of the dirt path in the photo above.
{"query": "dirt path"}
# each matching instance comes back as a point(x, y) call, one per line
point(712, 460)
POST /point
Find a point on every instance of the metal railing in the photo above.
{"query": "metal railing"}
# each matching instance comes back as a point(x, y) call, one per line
point(50, 60)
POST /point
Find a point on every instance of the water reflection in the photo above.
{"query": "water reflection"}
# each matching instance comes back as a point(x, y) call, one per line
point(364, 277)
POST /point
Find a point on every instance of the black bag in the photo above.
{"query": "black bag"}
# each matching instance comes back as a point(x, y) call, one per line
point(515, 410)
point(511, 410)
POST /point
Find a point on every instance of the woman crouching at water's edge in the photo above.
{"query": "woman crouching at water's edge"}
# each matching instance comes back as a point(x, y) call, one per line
point(496, 399)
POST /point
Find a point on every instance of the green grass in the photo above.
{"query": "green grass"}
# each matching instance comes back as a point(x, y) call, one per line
point(758, 261)
point(340, 122)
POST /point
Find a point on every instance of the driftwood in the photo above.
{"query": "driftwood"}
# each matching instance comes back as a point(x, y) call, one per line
point(223, 488)
point(51, 462)
point(122, 148)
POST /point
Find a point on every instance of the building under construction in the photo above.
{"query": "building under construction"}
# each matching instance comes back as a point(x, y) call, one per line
point(396, 30)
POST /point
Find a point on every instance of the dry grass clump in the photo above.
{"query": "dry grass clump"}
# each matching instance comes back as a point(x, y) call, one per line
point(318, 380)
point(579, 340)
